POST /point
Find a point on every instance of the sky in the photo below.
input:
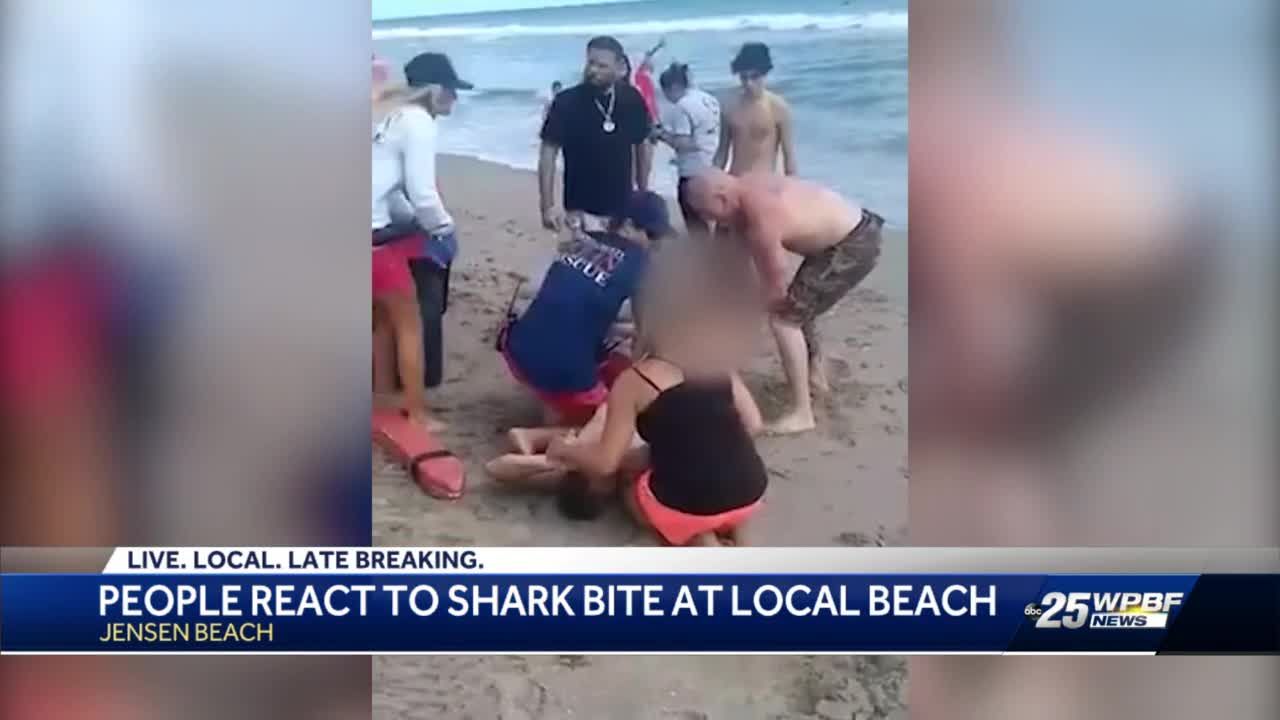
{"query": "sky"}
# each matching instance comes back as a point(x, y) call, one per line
point(391, 9)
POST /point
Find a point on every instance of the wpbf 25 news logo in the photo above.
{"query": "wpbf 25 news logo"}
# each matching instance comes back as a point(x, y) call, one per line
point(1103, 610)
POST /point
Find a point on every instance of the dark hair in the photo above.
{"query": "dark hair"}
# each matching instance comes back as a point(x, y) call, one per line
point(576, 499)
point(557, 84)
point(677, 74)
point(607, 42)
point(616, 222)
point(753, 57)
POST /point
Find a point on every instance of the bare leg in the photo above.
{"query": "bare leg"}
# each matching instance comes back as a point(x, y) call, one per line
point(402, 310)
point(795, 362)
point(818, 380)
point(531, 441)
point(736, 536)
point(529, 472)
point(384, 353)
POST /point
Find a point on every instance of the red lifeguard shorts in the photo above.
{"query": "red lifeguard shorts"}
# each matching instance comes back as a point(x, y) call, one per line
point(391, 274)
point(576, 408)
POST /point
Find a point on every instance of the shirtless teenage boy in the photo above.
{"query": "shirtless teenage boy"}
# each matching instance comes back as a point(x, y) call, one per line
point(756, 123)
point(839, 242)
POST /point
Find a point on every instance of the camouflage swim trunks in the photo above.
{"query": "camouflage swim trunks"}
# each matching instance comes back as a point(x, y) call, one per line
point(826, 277)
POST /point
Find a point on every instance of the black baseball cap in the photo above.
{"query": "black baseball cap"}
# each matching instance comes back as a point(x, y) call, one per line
point(648, 212)
point(433, 69)
point(753, 57)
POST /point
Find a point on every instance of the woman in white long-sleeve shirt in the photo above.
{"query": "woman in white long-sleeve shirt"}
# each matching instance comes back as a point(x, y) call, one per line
point(423, 245)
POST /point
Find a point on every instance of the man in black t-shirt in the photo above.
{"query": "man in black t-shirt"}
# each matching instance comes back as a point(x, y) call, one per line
point(602, 127)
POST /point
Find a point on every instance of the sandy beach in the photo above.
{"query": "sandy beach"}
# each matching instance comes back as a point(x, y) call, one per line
point(844, 484)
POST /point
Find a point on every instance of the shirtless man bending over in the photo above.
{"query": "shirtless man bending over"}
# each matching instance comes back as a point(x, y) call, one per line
point(839, 242)
point(756, 123)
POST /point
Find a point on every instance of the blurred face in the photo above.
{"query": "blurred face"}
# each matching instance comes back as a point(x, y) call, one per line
point(674, 92)
point(603, 67)
point(442, 100)
point(752, 82)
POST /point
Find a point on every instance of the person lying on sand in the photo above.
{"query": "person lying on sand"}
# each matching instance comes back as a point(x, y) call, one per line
point(840, 244)
point(704, 479)
point(557, 347)
point(529, 468)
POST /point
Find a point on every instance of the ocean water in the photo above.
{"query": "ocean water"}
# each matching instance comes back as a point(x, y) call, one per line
point(841, 64)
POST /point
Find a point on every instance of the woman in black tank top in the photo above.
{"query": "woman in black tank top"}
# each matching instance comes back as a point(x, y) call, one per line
point(705, 475)
point(703, 463)
point(703, 459)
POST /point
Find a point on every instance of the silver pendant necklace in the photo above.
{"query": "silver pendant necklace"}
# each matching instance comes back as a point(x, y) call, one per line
point(608, 125)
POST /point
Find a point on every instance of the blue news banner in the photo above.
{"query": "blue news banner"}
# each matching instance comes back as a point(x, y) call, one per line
point(640, 613)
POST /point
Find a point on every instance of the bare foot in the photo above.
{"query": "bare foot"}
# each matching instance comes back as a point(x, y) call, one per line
point(735, 537)
point(520, 469)
point(818, 380)
point(520, 440)
point(704, 540)
point(791, 424)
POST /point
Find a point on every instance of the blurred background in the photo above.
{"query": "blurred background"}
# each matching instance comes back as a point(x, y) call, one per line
point(1093, 240)
point(183, 327)
point(183, 339)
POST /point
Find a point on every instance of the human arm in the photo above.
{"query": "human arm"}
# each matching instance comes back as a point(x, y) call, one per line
point(644, 164)
point(677, 130)
point(679, 143)
point(552, 135)
point(786, 138)
point(639, 127)
point(654, 50)
point(600, 459)
point(746, 406)
point(547, 185)
point(420, 172)
point(763, 237)
point(721, 159)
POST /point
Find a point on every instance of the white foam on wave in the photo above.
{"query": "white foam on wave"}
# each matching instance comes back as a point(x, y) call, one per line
point(720, 23)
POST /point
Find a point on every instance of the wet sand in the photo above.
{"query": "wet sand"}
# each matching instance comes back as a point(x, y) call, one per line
point(843, 484)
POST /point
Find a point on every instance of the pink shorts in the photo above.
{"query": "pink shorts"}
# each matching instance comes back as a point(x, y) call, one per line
point(576, 408)
point(677, 527)
point(391, 275)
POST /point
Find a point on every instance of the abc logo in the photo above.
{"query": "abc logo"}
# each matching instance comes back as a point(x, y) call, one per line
point(1032, 610)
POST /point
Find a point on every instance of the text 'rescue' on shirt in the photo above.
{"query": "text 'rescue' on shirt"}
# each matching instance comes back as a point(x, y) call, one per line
point(598, 165)
point(557, 342)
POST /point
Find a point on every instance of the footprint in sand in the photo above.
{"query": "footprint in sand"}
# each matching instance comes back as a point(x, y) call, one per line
point(520, 698)
point(840, 368)
point(860, 539)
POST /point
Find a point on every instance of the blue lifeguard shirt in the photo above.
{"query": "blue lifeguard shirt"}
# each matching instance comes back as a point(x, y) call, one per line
point(556, 343)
